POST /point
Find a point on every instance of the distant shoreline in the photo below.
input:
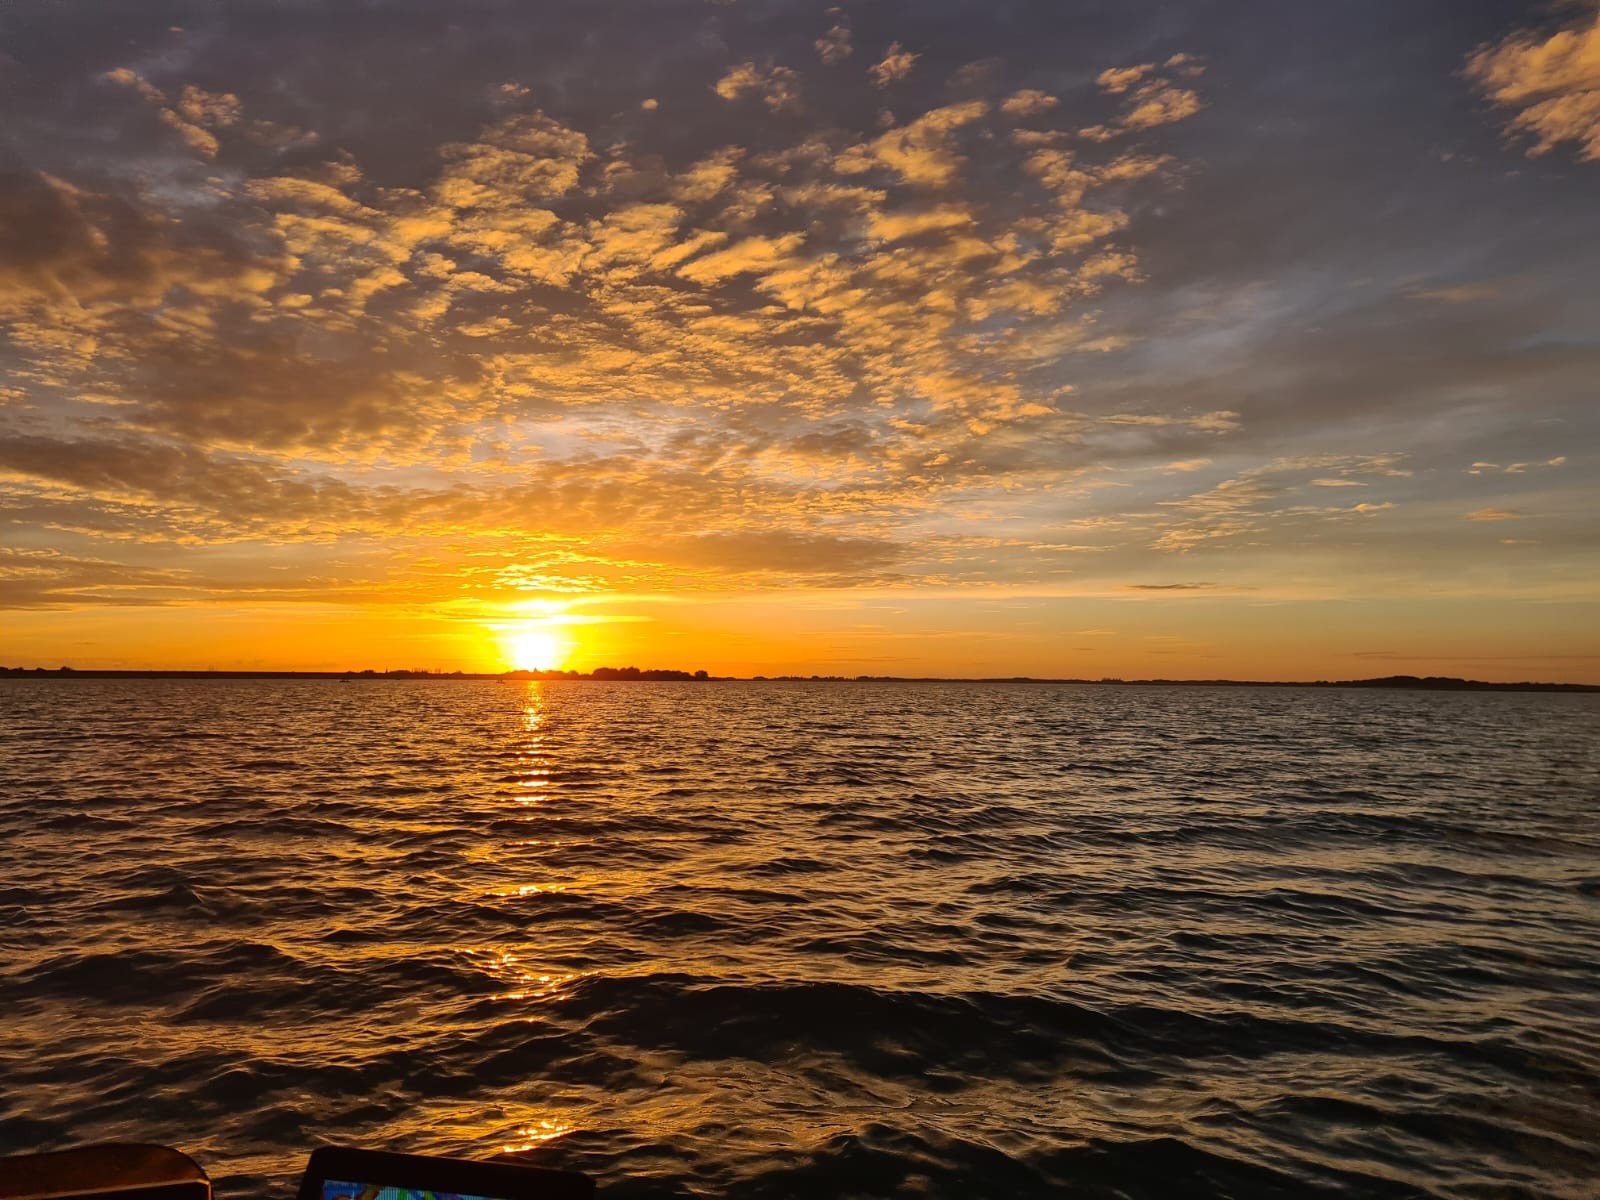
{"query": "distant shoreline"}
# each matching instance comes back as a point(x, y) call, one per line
point(1430, 683)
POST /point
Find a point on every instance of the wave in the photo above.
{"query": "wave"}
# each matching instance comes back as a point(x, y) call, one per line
point(734, 941)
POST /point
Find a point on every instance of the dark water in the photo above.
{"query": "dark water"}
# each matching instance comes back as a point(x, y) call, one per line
point(811, 940)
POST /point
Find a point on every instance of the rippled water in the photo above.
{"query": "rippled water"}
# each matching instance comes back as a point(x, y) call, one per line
point(791, 940)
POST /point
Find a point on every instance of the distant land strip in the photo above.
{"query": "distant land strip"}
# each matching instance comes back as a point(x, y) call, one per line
point(1427, 683)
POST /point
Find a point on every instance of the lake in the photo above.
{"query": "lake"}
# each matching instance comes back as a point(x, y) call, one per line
point(811, 939)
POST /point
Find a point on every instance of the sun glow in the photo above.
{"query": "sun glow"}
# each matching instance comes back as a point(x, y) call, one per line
point(531, 648)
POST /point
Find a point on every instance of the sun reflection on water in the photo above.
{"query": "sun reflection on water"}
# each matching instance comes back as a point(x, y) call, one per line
point(531, 889)
point(533, 759)
point(547, 1129)
point(523, 982)
point(524, 973)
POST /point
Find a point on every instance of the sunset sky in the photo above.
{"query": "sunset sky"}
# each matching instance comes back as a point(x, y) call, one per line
point(1192, 339)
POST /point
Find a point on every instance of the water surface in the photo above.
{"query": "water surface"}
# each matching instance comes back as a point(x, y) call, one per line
point(796, 940)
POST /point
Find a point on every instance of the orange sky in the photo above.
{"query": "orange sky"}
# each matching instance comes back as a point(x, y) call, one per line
point(848, 633)
point(769, 339)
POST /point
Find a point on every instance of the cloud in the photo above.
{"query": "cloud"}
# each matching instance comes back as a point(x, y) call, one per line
point(1152, 99)
point(201, 141)
point(1231, 495)
point(1495, 514)
point(1170, 587)
point(529, 156)
point(782, 551)
point(193, 118)
point(751, 254)
point(778, 87)
point(1116, 80)
point(921, 152)
point(1160, 103)
point(1028, 102)
point(1257, 504)
point(60, 243)
point(912, 222)
point(1553, 85)
point(707, 178)
point(73, 261)
point(213, 109)
point(1489, 468)
point(539, 323)
point(127, 78)
point(1345, 464)
point(834, 46)
point(896, 64)
point(49, 578)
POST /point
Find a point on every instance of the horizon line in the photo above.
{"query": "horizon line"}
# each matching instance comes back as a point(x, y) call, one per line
point(674, 675)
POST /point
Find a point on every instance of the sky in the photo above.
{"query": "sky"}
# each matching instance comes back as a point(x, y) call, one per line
point(1212, 338)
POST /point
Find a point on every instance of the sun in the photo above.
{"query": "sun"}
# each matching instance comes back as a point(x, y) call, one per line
point(531, 649)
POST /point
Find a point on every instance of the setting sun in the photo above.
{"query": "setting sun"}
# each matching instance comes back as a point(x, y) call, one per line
point(532, 649)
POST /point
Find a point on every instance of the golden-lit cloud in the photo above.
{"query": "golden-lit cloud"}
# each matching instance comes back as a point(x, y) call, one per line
point(1551, 84)
point(1117, 80)
point(1489, 468)
point(778, 87)
point(895, 65)
point(920, 152)
point(1028, 102)
point(1160, 103)
point(1150, 94)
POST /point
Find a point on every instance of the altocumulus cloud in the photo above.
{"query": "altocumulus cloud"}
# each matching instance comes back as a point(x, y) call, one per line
point(735, 296)
point(241, 327)
point(1551, 84)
